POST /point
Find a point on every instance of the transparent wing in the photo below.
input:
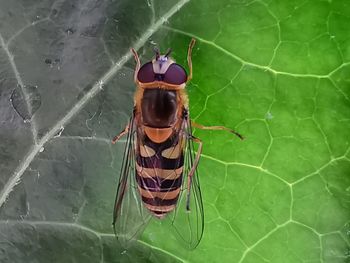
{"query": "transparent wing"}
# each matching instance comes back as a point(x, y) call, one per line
point(130, 217)
point(188, 218)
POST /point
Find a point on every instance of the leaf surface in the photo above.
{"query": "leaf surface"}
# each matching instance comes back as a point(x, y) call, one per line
point(275, 71)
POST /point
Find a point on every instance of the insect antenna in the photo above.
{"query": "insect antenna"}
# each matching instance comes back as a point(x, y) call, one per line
point(168, 52)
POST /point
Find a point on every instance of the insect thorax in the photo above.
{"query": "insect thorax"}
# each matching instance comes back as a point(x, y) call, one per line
point(159, 108)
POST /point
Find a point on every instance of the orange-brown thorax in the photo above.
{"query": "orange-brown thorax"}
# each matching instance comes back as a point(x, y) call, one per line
point(159, 111)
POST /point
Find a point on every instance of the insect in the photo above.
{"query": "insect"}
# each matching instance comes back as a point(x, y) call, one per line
point(159, 169)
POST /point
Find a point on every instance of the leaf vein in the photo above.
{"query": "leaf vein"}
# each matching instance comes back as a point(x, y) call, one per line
point(251, 64)
point(20, 83)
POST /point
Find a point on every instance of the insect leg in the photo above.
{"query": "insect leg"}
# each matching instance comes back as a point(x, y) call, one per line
point(222, 128)
point(193, 169)
point(137, 59)
point(189, 58)
point(125, 131)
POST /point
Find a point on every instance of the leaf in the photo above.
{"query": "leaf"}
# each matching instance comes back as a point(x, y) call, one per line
point(55, 195)
point(19, 102)
point(276, 71)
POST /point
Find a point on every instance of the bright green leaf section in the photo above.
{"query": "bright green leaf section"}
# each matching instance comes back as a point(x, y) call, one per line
point(289, 243)
point(283, 195)
point(334, 247)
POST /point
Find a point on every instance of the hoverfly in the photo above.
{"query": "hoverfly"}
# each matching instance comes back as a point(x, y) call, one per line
point(159, 168)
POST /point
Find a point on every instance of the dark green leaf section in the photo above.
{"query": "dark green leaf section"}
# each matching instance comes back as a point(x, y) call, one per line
point(52, 54)
point(10, 150)
point(64, 242)
point(139, 252)
point(48, 243)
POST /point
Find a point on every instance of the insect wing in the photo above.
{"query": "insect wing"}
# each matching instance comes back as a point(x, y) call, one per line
point(130, 217)
point(188, 219)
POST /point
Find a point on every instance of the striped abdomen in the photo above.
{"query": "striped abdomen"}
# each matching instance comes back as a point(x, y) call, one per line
point(159, 169)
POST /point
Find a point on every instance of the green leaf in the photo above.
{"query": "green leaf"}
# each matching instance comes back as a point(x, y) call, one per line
point(276, 71)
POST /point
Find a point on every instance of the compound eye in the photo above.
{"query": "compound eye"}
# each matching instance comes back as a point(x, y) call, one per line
point(146, 73)
point(175, 75)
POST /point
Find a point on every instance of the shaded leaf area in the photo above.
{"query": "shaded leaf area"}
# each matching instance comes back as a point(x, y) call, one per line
point(52, 54)
point(60, 242)
point(276, 71)
point(13, 128)
point(64, 203)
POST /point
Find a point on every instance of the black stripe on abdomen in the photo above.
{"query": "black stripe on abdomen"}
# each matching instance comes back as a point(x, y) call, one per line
point(159, 212)
point(158, 161)
point(156, 201)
